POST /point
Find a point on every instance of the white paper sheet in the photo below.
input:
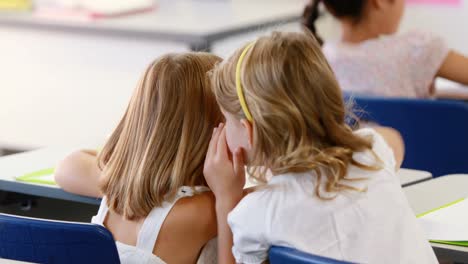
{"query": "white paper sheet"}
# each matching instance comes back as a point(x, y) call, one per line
point(48, 177)
point(451, 90)
point(447, 224)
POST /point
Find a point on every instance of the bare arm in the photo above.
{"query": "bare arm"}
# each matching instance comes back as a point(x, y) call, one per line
point(395, 141)
point(78, 173)
point(226, 179)
point(179, 242)
point(225, 239)
point(455, 68)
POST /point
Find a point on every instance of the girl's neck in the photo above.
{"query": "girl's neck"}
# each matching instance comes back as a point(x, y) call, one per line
point(359, 32)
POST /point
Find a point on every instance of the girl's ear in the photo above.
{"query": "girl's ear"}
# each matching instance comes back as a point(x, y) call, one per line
point(249, 129)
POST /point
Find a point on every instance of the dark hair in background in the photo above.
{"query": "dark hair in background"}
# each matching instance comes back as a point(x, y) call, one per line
point(338, 8)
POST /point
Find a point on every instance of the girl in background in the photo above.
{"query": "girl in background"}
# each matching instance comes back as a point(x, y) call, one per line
point(372, 59)
point(150, 172)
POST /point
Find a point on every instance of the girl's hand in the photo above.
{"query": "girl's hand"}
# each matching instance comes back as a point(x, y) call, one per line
point(225, 178)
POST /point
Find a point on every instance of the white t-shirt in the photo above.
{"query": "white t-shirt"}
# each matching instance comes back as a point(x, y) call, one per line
point(374, 226)
point(395, 66)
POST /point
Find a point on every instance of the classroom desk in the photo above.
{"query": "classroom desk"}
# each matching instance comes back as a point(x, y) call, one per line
point(19, 164)
point(197, 23)
point(9, 261)
point(409, 177)
point(446, 89)
point(428, 195)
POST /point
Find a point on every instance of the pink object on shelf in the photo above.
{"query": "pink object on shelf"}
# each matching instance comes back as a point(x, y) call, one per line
point(436, 2)
point(84, 15)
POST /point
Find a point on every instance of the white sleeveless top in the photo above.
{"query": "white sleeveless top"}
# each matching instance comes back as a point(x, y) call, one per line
point(142, 253)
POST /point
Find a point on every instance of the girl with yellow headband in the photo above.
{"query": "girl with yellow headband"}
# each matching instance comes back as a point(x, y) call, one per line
point(333, 192)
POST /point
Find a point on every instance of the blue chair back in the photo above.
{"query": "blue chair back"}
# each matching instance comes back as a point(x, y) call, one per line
point(281, 255)
point(44, 241)
point(435, 132)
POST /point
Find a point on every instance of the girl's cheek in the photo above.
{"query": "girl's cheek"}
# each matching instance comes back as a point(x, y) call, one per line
point(229, 137)
point(232, 140)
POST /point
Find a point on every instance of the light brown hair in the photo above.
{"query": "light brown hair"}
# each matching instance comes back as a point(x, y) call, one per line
point(161, 141)
point(297, 108)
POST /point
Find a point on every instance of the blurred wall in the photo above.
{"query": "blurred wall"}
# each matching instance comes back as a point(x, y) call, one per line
point(58, 88)
point(67, 89)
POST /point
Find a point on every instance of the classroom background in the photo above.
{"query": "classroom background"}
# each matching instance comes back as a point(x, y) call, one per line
point(62, 85)
point(69, 67)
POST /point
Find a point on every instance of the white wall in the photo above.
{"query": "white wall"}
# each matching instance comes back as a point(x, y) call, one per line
point(66, 89)
point(58, 88)
point(447, 21)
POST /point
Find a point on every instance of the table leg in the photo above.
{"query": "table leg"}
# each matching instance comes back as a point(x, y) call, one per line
point(204, 46)
point(458, 257)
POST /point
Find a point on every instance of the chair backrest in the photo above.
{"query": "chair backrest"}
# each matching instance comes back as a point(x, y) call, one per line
point(44, 241)
point(435, 132)
point(280, 255)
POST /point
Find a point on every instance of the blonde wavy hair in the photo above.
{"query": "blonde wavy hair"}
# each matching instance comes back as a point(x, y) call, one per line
point(161, 141)
point(297, 108)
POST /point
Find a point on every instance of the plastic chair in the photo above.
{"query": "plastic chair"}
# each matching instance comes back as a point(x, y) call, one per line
point(435, 132)
point(280, 255)
point(44, 241)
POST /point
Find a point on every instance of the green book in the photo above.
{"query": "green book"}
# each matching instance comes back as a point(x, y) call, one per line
point(15, 5)
point(45, 176)
point(448, 223)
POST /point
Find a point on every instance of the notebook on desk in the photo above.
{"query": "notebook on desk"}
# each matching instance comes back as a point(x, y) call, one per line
point(45, 176)
point(447, 224)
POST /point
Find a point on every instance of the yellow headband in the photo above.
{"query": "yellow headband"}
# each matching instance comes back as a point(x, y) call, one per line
point(240, 92)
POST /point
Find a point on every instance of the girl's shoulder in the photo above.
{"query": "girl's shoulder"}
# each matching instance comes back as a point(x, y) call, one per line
point(412, 47)
point(381, 152)
point(270, 198)
point(420, 41)
point(190, 224)
point(198, 209)
point(416, 35)
point(394, 42)
point(256, 202)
